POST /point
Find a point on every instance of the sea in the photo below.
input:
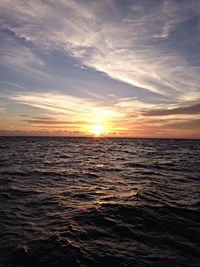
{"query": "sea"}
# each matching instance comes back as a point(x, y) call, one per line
point(98, 202)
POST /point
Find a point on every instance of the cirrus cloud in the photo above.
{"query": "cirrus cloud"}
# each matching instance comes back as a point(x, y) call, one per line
point(123, 44)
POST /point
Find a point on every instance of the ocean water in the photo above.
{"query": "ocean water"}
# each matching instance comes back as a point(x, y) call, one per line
point(99, 202)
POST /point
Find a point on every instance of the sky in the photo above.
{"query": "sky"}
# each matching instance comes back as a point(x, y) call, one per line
point(128, 68)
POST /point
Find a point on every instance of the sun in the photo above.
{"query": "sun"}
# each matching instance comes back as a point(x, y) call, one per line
point(98, 123)
point(97, 129)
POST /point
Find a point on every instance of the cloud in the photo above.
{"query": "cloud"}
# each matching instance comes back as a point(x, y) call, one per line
point(15, 54)
point(118, 41)
point(40, 133)
point(184, 125)
point(2, 109)
point(190, 96)
point(61, 104)
point(49, 121)
point(195, 109)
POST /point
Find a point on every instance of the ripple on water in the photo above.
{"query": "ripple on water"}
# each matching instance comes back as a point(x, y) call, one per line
point(90, 202)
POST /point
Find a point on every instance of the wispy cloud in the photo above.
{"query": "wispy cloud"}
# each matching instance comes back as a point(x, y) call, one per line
point(121, 44)
point(77, 108)
point(49, 121)
point(14, 54)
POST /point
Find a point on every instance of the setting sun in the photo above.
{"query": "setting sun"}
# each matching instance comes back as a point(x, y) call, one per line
point(97, 129)
point(99, 123)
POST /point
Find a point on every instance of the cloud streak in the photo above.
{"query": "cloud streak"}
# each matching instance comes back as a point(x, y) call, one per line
point(195, 109)
point(121, 44)
point(74, 107)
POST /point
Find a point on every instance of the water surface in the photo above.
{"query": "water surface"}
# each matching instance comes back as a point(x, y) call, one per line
point(99, 202)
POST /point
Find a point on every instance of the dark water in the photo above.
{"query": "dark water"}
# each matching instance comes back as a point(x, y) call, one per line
point(99, 202)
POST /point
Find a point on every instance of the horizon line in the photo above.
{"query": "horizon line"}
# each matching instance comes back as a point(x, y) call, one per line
point(102, 137)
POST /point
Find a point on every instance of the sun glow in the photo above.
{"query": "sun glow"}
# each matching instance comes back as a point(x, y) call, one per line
point(97, 129)
point(99, 122)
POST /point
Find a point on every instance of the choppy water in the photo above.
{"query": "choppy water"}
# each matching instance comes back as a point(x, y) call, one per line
point(99, 202)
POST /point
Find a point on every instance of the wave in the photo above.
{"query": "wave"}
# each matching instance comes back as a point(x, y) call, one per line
point(108, 202)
